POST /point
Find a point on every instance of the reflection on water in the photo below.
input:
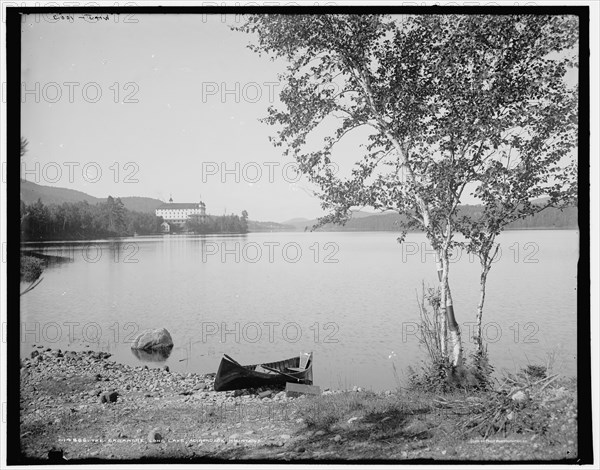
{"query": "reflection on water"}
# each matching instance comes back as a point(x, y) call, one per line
point(348, 297)
point(157, 355)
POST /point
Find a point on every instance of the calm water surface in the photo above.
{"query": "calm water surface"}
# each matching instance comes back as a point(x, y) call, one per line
point(348, 297)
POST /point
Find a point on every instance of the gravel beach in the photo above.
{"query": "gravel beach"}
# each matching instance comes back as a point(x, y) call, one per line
point(83, 405)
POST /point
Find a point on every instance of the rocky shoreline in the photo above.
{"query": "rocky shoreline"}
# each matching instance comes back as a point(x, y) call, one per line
point(61, 391)
point(83, 405)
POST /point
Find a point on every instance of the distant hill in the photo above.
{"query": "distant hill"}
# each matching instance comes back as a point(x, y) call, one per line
point(141, 204)
point(296, 221)
point(256, 226)
point(550, 218)
point(301, 222)
point(31, 192)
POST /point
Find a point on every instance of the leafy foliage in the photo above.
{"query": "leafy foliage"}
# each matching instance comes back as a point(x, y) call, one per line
point(449, 100)
point(82, 220)
point(218, 224)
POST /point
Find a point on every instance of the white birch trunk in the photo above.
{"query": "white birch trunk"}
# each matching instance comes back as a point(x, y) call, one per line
point(479, 315)
point(452, 333)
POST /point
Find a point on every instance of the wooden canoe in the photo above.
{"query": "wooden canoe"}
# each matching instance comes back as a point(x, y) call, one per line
point(234, 376)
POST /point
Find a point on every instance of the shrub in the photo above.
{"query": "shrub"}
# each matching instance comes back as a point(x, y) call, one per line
point(535, 371)
point(438, 375)
point(31, 268)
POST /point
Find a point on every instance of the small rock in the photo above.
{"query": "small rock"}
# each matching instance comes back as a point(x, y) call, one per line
point(265, 394)
point(520, 396)
point(109, 397)
point(34, 354)
point(154, 436)
point(166, 368)
point(337, 438)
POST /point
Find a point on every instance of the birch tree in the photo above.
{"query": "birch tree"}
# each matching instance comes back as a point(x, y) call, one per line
point(431, 96)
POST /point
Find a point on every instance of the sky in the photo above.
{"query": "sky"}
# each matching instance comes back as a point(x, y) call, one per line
point(159, 106)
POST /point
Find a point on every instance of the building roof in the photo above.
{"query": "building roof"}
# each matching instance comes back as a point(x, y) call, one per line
point(180, 205)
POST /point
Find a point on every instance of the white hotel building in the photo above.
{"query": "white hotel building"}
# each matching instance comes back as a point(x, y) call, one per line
point(179, 212)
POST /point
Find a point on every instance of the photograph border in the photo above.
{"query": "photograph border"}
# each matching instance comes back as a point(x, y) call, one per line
point(13, 61)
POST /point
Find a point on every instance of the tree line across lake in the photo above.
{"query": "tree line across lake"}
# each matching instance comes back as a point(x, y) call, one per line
point(81, 220)
point(549, 218)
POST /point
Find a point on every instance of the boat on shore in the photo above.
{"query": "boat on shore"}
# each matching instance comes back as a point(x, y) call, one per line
point(234, 376)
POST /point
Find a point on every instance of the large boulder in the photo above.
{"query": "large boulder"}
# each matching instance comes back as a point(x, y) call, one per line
point(152, 340)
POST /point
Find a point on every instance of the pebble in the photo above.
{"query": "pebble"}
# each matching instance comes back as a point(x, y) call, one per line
point(154, 436)
point(519, 396)
point(109, 397)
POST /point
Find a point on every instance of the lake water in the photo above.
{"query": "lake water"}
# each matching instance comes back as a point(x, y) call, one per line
point(348, 297)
